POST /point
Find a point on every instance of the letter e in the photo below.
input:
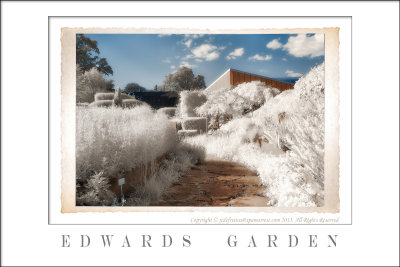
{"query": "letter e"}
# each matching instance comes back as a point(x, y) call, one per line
point(313, 241)
point(65, 241)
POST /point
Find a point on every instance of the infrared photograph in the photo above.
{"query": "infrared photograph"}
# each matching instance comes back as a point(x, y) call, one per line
point(215, 120)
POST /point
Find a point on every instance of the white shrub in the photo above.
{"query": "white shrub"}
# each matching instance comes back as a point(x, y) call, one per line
point(223, 104)
point(292, 120)
point(110, 96)
point(189, 101)
point(253, 93)
point(186, 133)
point(103, 96)
point(114, 140)
point(295, 119)
point(195, 123)
point(243, 130)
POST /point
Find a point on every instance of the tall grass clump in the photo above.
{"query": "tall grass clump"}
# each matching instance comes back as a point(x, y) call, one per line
point(114, 140)
point(95, 192)
point(176, 163)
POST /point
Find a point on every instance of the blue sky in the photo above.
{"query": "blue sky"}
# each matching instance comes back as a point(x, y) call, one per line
point(147, 58)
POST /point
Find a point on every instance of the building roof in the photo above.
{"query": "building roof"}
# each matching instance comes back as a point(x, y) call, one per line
point(232, 77)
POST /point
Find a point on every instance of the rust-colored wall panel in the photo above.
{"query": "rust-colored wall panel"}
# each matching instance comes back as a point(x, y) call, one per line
point(268, 82)
point(247, 78)
point(241, 79)
point(237, 77)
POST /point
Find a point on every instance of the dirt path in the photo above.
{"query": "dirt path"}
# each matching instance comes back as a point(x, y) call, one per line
point(216, 183)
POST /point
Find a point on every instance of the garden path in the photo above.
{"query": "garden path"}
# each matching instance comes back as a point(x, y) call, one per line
point(216, 182)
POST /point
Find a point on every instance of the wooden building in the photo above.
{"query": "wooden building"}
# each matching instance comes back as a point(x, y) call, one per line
point(234, 77)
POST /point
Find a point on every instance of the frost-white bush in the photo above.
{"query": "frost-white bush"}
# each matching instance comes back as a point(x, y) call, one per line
point(292, 120)
point(253, 93)
point(218, 102)
point(242, 130)
point(110, 96)
point(186, 133)
point(223, 104)
point(103, 96)
point(195, 123)
point(296, 119)
point(114, 140)
point(189, 101)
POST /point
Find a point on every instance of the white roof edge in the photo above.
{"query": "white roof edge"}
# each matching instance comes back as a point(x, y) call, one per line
point(219, 78)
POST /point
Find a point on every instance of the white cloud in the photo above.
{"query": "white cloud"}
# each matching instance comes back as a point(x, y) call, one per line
point(305, 46)
point(188, 43)
point(274, 44)
point(198, 60)
point(291, 73)
point(188, 40)
point(172, 67)
point(260, 58)
point(167, 60)
point(207, 52)
point(284, 59)
point(188, 65)
point(238, 52)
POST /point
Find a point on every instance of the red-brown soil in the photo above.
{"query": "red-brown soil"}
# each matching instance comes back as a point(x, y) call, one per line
point(216, 183)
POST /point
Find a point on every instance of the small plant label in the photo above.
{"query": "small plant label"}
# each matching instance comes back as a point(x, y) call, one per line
point(121, 181)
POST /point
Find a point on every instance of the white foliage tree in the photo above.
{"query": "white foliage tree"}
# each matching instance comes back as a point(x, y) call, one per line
point(182, 79)
point(88, 84)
